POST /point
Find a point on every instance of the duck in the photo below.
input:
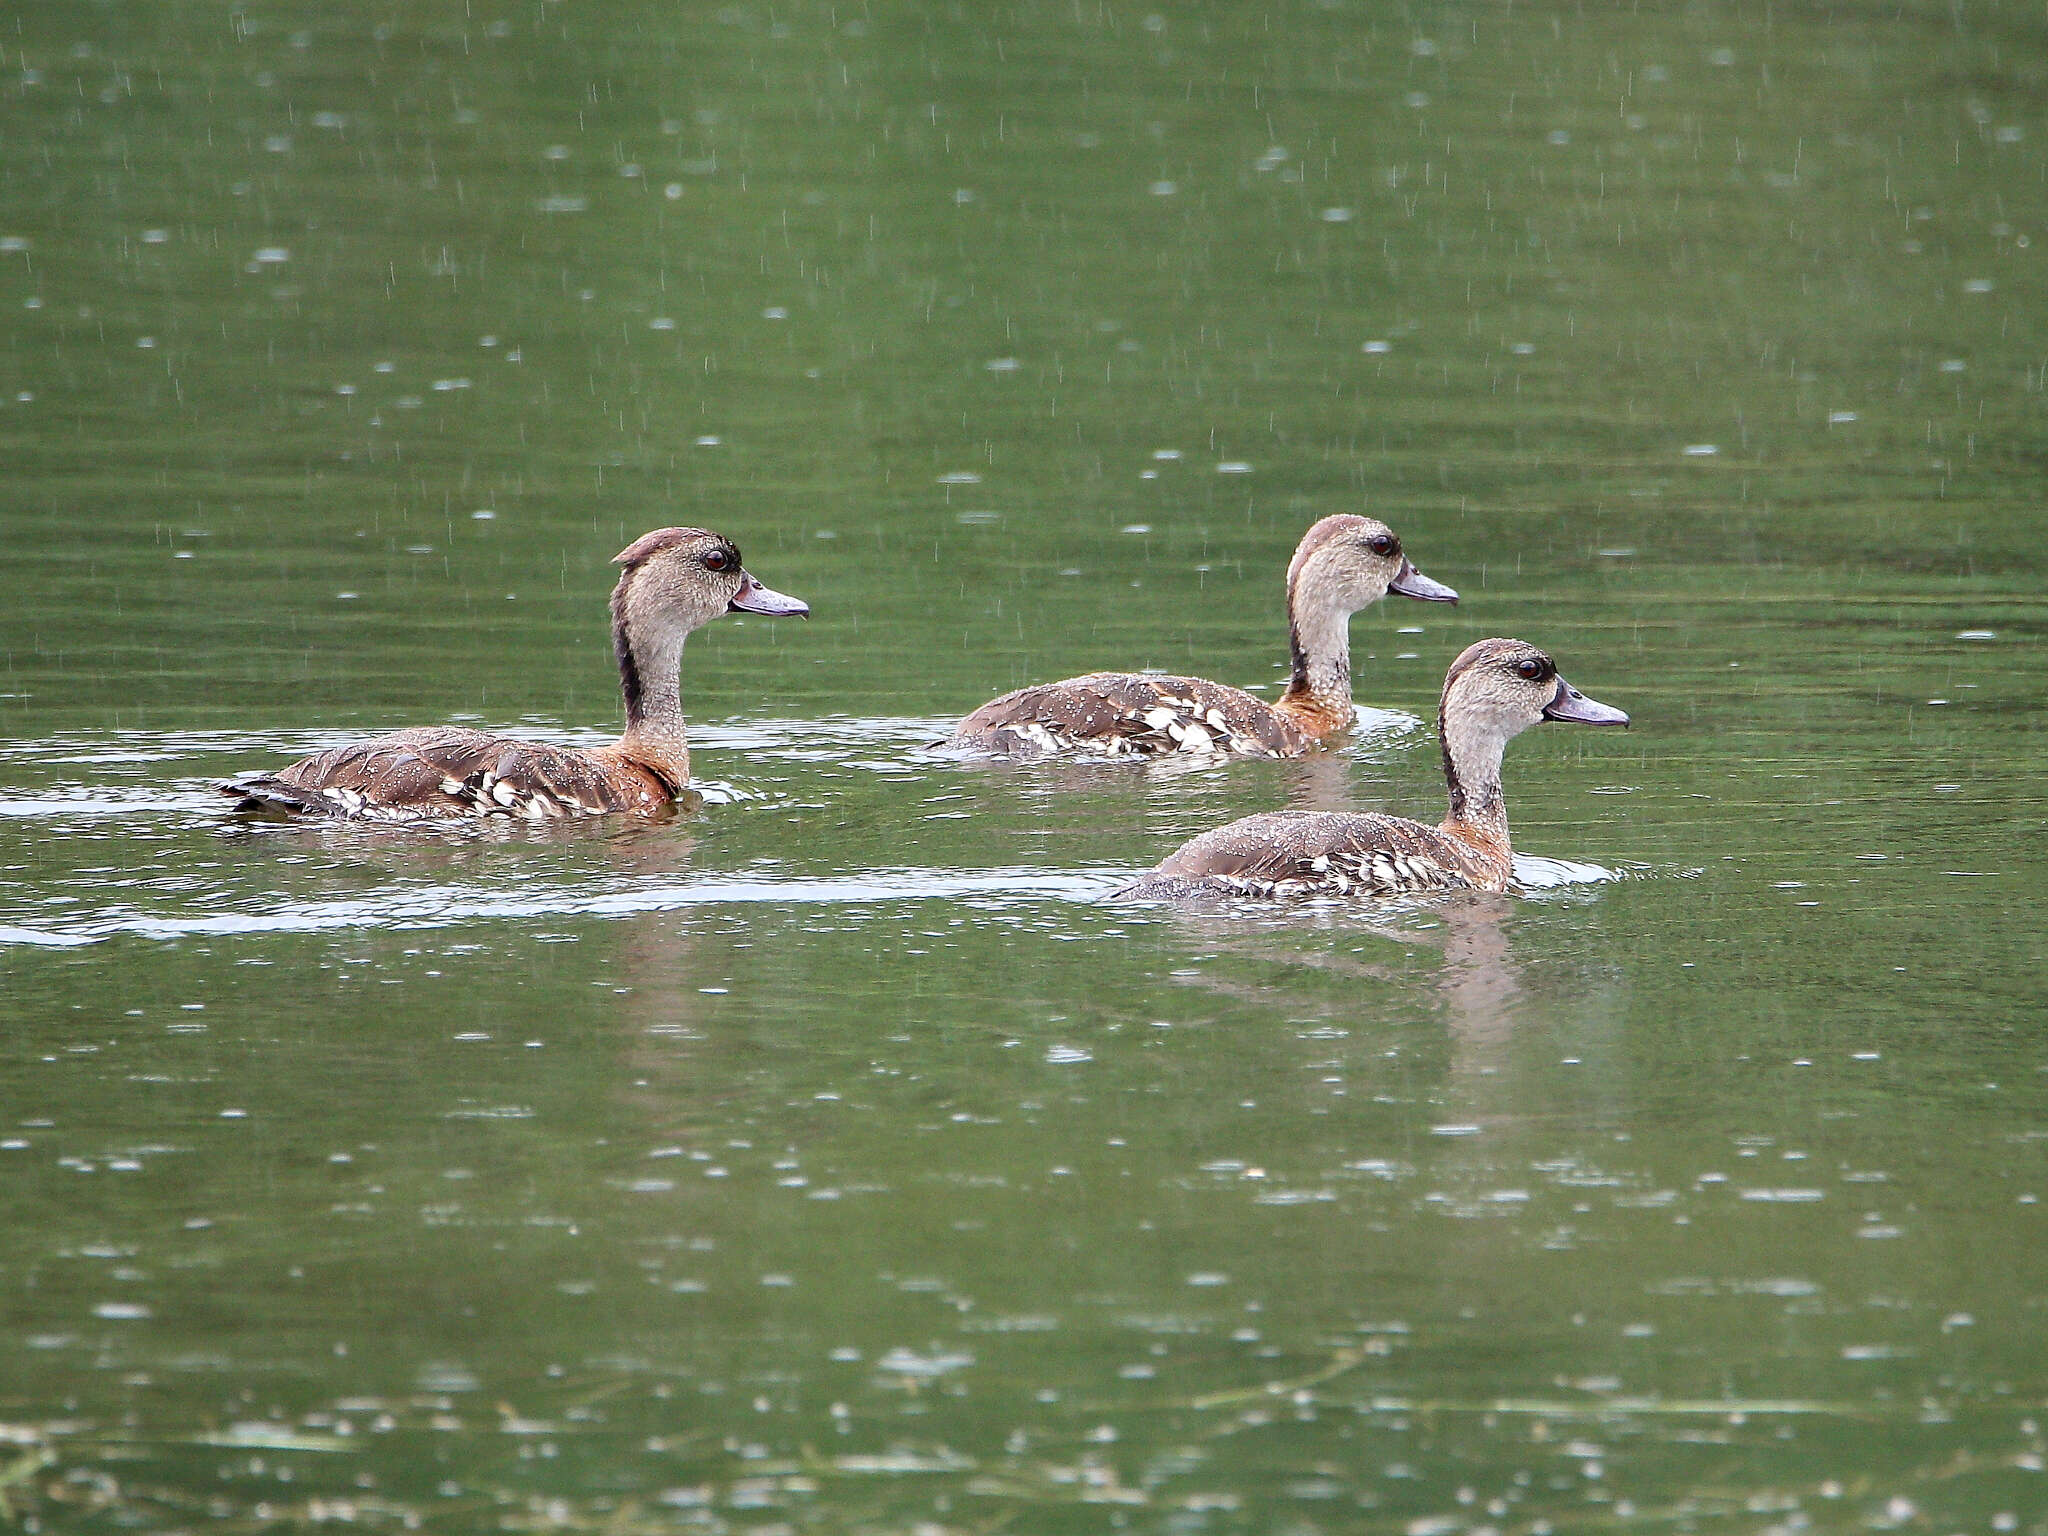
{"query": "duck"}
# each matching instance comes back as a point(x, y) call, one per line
point(675, 581)
point(1342, 564)
point(1494, 691)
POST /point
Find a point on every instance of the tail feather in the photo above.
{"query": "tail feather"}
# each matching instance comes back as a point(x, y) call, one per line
point(264, 794)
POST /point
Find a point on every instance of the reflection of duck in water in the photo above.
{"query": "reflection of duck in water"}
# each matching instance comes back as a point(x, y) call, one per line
point(1493, 692)
point(676, 580)
point(1342, 564)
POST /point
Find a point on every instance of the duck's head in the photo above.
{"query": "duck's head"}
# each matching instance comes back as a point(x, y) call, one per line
point(1499, 688)
point(1347, 561)
point(683, 578)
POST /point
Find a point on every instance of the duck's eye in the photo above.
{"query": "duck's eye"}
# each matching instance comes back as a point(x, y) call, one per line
point(717, 560)
point(1531, 670)
point(1382, 544)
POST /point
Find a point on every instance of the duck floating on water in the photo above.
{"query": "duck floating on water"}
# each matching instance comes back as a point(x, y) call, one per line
point(676, 580)
point(1493, 692)
point(1342, 564)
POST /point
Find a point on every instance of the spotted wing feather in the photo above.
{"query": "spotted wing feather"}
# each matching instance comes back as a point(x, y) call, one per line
point(441, 772)
point(1116, 714)
point(1313, 853)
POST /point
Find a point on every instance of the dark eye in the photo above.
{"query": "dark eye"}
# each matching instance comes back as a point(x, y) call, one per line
point(1532, 669)
point(1382, 544)
point(717, 560)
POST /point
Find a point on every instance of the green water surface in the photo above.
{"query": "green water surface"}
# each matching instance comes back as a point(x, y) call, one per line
point(832, 1158)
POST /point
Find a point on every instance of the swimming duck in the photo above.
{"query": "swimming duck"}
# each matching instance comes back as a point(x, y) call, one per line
point(1341, 564)
point(1493, 692)
point(675, 580)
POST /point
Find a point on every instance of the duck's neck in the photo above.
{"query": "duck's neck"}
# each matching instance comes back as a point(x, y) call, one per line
point(1478, 816)
point(650, 678)
point(1318, 698)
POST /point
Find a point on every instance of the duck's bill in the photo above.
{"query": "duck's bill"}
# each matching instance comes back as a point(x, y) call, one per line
point(752, 597)
point(1412, 583)
point(1575, 708)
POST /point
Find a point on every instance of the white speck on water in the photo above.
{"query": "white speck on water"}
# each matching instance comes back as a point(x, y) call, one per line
point(1377, 346)
point(145, 342)
point(234, 1114)
point(1002, 365)
point(271, 256)
point(1721, 58)
point(1954, 365)
point(1208, 1277)
point(1423, 48)
point(1558, 137)
point(1417, 99)
point(10, 244)
point(1454, 1130)
point(715, 991)
point(1701, 450)
point(121, 1311)
point(1619, 552)
point(709, 440)
point(906, 1362)
point(1067, 1055)
point(473, 1034)
point(1523, 348)
point(1840, 418)
point(1978, 285)
point(483, 515)
point(1166, 455)
point(960, 477)
point(1338, 215)
point(1233, 467)
point(1976, 634)
point(774, 312)
point(673, 191)
point(662, 323)
point(1135, 528)
point(561, 204)
point(443, 386)
point(1163, 188)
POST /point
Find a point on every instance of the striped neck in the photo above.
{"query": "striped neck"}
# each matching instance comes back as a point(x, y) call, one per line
point(1318, 695)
